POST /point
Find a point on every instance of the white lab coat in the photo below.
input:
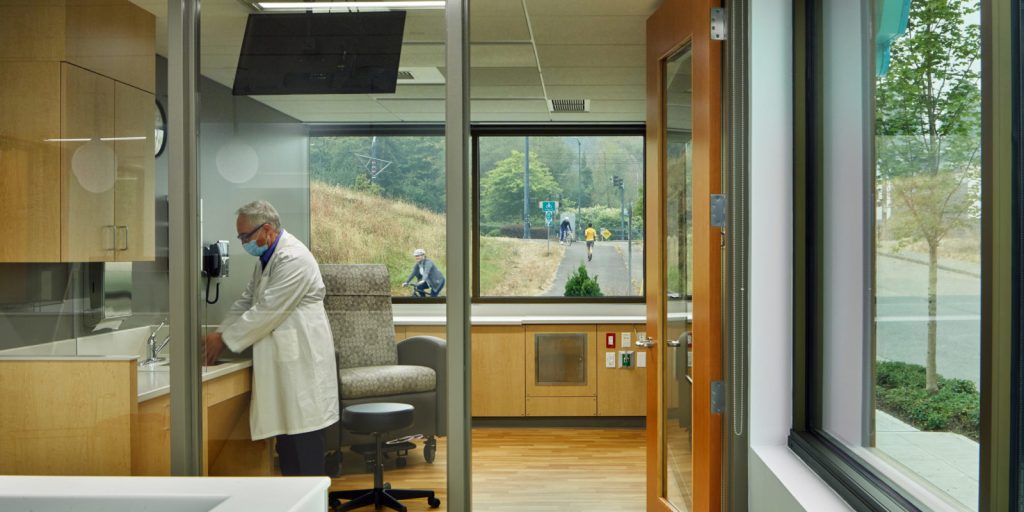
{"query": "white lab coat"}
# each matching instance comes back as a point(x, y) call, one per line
point(281, 315)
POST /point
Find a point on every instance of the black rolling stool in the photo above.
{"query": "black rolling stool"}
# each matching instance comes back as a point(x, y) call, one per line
point(377, 419)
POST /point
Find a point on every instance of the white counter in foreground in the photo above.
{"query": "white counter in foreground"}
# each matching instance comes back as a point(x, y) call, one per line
point(160, 494)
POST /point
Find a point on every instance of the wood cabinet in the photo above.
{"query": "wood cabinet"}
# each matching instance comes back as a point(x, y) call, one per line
point(499, 373)
point(76, 131)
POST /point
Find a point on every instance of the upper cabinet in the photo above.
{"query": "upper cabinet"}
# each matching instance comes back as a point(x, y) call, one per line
point(76, 130)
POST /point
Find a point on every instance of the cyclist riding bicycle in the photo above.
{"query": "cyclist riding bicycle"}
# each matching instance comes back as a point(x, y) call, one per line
point(563, 231)
point(427, 274)
point(590, 234)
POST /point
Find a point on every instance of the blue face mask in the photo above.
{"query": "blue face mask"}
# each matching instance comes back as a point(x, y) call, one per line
point(255, 249)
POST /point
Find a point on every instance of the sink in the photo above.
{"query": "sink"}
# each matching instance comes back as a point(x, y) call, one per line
point(165, 365)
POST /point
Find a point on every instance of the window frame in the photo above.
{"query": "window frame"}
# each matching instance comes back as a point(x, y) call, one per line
point(862, 485)
point(548, 130)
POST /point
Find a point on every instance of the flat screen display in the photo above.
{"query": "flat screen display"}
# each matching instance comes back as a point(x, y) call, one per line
point(320, 53)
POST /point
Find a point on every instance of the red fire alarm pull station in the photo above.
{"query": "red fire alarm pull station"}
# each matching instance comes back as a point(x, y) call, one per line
point(609, 340)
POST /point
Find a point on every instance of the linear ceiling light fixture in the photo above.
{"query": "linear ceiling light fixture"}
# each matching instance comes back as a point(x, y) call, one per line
point(386, 4)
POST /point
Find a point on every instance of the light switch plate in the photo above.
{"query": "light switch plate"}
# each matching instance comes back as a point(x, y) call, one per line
point(641, 359)
point(627, 339)
point(609, 359)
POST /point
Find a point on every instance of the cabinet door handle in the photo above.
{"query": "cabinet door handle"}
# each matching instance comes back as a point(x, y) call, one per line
point(125, 248)
point(113, 237)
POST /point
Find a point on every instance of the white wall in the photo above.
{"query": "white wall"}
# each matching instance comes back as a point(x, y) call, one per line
point(778, 480)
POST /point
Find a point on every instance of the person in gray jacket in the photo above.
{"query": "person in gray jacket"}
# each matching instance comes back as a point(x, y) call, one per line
point(427, 274)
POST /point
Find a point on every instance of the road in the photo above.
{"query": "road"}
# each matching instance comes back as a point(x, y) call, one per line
point(902, 316)
point(609, 265)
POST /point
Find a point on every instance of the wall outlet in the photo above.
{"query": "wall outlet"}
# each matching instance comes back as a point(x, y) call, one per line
point(641, 359)
point(609, 359)
point(627, 339)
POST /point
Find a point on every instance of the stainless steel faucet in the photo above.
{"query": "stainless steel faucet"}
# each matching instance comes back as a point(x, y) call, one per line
point(153, 349)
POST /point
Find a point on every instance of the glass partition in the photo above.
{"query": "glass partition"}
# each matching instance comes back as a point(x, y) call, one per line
point(327, 128)
point(84, 300)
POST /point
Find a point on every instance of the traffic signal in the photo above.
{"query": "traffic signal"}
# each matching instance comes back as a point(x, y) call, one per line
point(617, 181)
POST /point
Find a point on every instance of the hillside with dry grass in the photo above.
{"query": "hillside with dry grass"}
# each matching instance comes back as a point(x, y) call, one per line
point(347, 226)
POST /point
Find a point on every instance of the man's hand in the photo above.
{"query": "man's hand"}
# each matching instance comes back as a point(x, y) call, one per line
point(214, 346)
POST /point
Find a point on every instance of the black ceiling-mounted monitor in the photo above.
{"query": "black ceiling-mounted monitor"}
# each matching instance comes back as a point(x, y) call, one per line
point(320, 53)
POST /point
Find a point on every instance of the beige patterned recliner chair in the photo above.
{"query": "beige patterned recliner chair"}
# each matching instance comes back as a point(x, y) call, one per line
point(372, 367)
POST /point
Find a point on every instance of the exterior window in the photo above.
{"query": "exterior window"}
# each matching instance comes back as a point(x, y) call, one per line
point(533, 239)
point(377, 199)
point(893, 240)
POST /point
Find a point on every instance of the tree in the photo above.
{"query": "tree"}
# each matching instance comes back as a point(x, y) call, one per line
point(927, 128)
point(582, 285)
point(501, 190)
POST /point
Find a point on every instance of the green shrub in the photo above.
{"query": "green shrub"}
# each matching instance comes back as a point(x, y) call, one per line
point(582, 285)
point(955, 407)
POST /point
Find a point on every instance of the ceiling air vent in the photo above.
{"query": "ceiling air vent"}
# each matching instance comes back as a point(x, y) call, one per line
point(568, 106)
point(405, 75)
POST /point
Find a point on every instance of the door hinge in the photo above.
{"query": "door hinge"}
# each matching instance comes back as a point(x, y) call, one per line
point(717, 396)
point(718, 27)
point(718, 210)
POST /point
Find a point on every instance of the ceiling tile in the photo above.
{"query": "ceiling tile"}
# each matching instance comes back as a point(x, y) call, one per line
point(591, 7)
point(507, 92)
point(577, 56)
point(504, 76)
point(510, 117)
point(618, 107)
point(602, 118)
point(595, 76)
point(604, 30)
point(608, 92)
point(502, 55)
point(491, 28)
point(526, 106)
point(399, 106)
point(351, 118)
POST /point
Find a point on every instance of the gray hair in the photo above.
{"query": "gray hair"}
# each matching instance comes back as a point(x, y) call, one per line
point(259, 213)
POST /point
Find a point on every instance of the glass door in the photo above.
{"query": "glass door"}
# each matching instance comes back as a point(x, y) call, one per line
point(678, 378)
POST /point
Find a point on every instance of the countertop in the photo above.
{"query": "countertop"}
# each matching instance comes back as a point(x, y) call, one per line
point(154, 382)
point(159, 494)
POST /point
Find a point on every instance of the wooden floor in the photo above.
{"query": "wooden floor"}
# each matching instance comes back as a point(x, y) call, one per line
point(532, 469)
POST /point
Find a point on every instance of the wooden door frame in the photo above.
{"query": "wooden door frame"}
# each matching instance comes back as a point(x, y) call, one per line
point(674, 25)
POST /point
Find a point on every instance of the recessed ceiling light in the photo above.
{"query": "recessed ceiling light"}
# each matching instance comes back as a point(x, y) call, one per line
point(387, 4)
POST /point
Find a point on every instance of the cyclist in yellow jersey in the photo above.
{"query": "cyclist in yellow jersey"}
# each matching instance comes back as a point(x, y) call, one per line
point(590, 234)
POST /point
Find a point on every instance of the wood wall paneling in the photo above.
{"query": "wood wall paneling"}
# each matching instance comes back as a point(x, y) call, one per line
point(499, 371)
point(114, 38)
point(30, 158)
point(67, 417)
point(561, 406)
point(620, 391)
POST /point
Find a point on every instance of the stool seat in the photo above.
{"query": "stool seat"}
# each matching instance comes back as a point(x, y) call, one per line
point(377, 417)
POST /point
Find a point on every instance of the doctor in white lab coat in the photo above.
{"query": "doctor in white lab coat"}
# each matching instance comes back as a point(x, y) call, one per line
point(281, 315)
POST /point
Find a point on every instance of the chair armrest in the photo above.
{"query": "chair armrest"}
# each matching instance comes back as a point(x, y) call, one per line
point(431, 352)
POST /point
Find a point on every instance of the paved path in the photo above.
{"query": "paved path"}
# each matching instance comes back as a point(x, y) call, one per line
point(608, 265)
point(947, 461)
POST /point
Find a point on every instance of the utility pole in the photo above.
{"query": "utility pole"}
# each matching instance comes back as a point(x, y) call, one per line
point(526, 190)
point(617, 183)
point(579, 186)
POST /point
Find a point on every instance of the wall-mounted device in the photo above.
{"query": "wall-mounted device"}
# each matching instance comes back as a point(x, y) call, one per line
point(215, 264)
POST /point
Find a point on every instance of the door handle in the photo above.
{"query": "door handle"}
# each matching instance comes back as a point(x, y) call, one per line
point(674, 343)
point(113, 236)
point(125, 248)
point(645, 343)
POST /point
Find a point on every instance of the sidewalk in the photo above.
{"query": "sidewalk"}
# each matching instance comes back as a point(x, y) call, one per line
point(946, 461)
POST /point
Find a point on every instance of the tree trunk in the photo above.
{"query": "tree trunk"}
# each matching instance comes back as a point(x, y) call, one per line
point(930, 379)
